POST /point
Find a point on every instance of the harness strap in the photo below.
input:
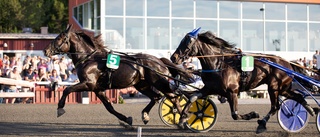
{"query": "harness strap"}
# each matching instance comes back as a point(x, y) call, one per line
point(85, 59)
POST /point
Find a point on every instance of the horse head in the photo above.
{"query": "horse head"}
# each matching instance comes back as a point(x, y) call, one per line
point(60, 45)
point(186, 47)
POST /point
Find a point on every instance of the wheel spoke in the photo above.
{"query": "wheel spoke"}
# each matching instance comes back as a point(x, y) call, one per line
point(194, 120)
point(167, 114)
point(170, 106)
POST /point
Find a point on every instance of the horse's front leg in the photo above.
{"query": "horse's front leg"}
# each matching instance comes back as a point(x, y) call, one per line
point(233, 103)
point(73, 88)
point(153, 96)
point(107, 104)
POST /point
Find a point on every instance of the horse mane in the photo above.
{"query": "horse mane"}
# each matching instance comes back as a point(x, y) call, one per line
point(209, 38)
point(95, 42)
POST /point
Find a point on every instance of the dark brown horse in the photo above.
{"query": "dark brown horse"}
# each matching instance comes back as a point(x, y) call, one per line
point(142, 71)
point(223, 76)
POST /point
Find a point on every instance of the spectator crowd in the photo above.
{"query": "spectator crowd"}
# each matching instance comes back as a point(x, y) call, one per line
point(36, 69)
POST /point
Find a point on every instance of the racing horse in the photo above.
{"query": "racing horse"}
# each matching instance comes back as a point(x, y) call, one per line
point(221, 63)
point(143, 71)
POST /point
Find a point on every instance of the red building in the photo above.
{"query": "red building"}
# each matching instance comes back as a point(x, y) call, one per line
point(21, 44)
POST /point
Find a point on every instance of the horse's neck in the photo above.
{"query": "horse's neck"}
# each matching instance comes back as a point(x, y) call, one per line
point(217, 61)
point(81, 49)
point(210, 62)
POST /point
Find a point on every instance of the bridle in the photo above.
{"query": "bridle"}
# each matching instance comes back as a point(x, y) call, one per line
point(58, 49)
point(188, 49)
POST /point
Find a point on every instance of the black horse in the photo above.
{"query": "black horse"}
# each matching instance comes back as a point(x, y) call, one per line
point(223, 76)
point(144, 72)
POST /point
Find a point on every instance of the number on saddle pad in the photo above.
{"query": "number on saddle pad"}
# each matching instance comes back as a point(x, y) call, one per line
point(247, 63)
point(113, 61)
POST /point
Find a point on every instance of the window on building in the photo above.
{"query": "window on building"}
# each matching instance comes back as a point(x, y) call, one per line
point(80, 15)
point(92, 14)
point(275, 11)
point(275, 36)
point(86, 15)
point(229, 9)
point(114, 33)
point(134, 7)
point(134, 33)
point(75, 13)
point(314, 34)
point(206, 9)
point(182, 8)
point(158, 34)
point(230, 31)
point(207, 25)
point(114, 7)
point(297, 12)
point(252, 36)
point(156, 8)
point(251, 10)
point(297, 37)
point(180, 27)
point(98, 3)
point(314, 11)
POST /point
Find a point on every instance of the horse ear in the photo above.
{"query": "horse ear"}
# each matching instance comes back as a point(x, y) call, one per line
point(69, 26)
point(195, 32)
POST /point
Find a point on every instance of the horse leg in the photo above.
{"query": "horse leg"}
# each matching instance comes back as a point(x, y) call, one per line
point(184, 113)
point(73, 88)
point(274, 107)
point(107, 104)
point(300, 99)
point(148, 91)
point(233, 104)
point(232, 98)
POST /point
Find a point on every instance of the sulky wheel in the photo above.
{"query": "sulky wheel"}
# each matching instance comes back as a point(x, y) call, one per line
point(318, 121)
point(203, 115)
point(292, 116)
point(168, 113)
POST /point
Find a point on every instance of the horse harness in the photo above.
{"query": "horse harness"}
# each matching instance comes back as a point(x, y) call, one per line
point(233, 63)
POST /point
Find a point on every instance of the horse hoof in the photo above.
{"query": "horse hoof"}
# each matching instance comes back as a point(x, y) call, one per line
point(222, 100)
point(254, 114)
point(145, 121)
point(262, 126)
point(260, 129)
point(181, 125)
point(145, 117)
point(60, 112)
point(129, 121)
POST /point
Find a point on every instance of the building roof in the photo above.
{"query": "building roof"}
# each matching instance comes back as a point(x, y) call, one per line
point(27, 36)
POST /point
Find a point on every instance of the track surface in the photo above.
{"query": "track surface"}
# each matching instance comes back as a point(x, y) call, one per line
point(94, 120)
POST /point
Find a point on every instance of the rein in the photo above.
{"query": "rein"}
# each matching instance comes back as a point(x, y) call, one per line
point(160, 73)
point(85, 59)
point(254, 55)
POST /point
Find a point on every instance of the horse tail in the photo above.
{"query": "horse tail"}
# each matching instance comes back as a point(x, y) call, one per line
point(175, 70)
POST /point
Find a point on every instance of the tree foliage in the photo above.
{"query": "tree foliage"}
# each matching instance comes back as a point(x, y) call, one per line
point(18, 14)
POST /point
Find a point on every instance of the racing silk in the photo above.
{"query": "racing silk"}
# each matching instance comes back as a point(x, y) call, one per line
point(197, 82)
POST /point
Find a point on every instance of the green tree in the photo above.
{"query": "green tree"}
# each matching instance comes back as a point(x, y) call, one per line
point(57, 18)
point(9, 15)
point(18, 14)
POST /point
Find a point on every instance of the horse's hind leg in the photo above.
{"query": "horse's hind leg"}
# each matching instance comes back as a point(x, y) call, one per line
point(274, 107)
point(300, 99)
point(107, 104)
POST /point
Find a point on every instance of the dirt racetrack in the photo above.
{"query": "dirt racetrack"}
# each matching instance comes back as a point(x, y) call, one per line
point(94, 120)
